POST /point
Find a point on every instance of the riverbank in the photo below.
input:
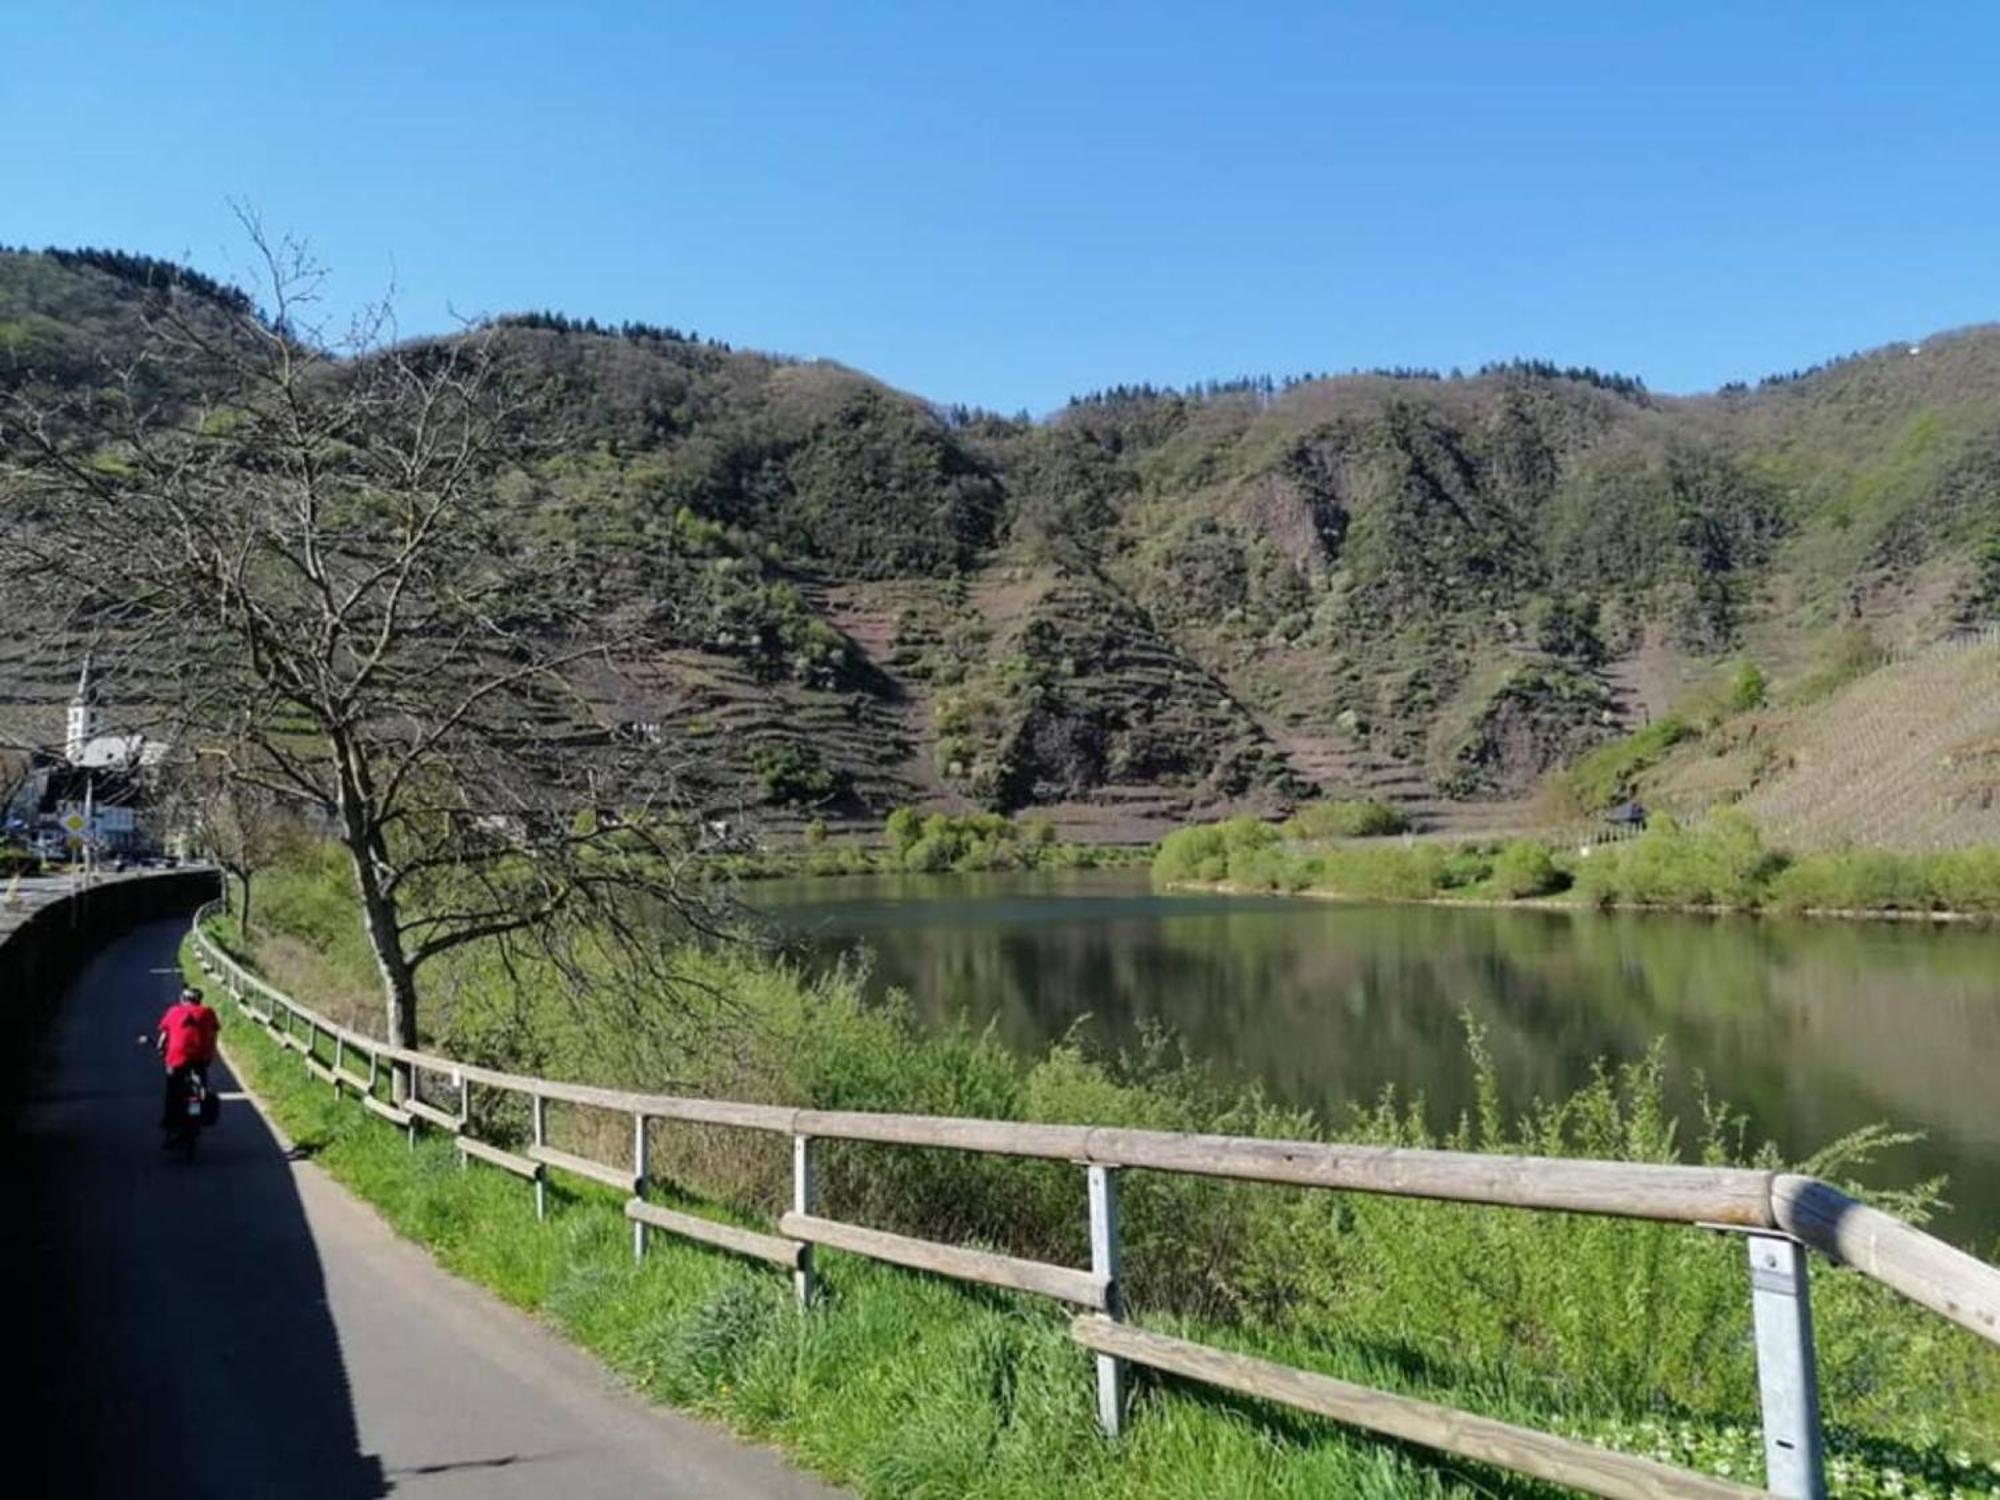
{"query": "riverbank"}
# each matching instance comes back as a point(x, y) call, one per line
point(1574, 904)
point(1720, 865)
point(911, 843)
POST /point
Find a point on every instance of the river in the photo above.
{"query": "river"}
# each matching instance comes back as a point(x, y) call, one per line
point(1811, 1028)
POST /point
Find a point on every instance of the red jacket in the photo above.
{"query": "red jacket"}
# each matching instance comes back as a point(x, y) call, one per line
point(190, 1029)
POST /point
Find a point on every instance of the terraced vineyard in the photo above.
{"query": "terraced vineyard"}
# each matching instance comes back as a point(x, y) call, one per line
point(1906, 758)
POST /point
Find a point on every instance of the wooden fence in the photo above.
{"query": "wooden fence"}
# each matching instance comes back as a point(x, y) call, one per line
point(1780, 1216)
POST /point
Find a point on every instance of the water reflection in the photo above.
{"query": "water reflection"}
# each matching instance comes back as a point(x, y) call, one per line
point(1812, 1028)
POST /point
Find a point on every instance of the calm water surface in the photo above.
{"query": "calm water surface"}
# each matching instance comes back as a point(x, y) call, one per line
point(1811, 1028)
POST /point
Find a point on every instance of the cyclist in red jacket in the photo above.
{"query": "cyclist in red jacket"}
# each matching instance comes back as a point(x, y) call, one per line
point(186, 1041)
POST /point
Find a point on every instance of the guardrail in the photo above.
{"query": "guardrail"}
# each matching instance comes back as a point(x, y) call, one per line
point(1781, 1215)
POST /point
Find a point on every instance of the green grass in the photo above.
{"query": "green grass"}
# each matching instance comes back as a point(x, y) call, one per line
point(1844, 656)
point(1605, 776)
point(1366, 818)
point(904, 1385)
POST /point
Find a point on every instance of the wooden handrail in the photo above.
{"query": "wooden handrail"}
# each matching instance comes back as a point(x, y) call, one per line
point(582, 1166)
point(771, 1247)
point(1009, 1271)
point(1883, 1248)
point(1583, 1466)
point(1775, 1209)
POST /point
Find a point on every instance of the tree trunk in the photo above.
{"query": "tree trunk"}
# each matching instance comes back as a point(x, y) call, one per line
point(243, 906)
point(380, 919)
point(399, 989)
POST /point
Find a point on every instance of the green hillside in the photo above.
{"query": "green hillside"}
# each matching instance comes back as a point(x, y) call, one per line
point(1157, 605)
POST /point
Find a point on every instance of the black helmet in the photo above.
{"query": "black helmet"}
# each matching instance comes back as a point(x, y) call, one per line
point(190, 995)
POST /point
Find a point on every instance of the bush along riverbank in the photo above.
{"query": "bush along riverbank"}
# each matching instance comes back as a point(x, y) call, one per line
point(1634, 1335)
point(915, 843)
point(1721, 863)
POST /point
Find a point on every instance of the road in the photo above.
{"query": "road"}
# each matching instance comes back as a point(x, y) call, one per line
point(21, 898)
point(240, 1326)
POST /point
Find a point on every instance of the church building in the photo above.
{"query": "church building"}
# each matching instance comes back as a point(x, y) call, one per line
point(99, 788)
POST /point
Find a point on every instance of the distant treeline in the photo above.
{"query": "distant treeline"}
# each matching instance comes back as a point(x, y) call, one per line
point(143, 270)
point(1267, 387)
point(638, 333)
point(1793, 377)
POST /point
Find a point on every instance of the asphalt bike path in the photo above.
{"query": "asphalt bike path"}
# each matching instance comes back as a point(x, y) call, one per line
point(240, 1326)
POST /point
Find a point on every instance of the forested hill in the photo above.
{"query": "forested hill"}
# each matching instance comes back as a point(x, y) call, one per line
point(1157, 604)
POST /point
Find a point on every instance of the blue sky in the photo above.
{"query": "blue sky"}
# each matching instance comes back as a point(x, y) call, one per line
point(1005, 204)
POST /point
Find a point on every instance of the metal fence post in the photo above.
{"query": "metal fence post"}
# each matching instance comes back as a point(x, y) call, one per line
point(805, 1200)
point(1105, 1263)
point(541, 1116)
point(1787, 1374)
point(638, 1183)
point(402, 1083)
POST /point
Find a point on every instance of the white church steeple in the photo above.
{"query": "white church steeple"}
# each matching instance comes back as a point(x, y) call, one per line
point(86, 716)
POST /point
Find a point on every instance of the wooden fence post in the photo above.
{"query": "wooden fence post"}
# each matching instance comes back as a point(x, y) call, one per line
point(1787, 1373)
point(1105, 1264)
point(339, 1056)
point(464, 1112)
point(805, 1200)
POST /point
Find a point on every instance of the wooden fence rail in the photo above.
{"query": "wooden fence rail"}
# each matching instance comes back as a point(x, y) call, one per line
point(1780, 1215)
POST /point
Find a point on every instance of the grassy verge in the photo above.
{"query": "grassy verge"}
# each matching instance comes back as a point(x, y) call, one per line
point(898, 1384)
point(907, 1386)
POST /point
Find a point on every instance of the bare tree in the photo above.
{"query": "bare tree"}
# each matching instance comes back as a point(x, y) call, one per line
point(238, 823)
point(298, 538)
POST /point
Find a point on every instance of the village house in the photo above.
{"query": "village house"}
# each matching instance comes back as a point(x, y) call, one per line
point(99, 789)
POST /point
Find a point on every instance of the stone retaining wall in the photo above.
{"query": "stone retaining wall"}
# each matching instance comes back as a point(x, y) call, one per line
point(50, 929)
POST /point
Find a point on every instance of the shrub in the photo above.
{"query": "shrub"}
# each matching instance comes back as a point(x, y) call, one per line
point(1394, 873)
point(1850, 653)
point(1271, 867)
point(930, 856)
point(1204, 853)
point(1606, 775)
point(792, 774)
point(1720, 862)
point(1346, 820)
point(905, 827)
point(1856, 880)
point(1967, 879)
point(1524, 868)
point(1748, 688)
